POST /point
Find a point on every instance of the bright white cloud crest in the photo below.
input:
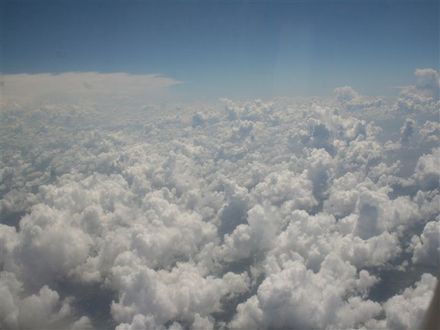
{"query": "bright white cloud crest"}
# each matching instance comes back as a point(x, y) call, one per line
point(256, 215)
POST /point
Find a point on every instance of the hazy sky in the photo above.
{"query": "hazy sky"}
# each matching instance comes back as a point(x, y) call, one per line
point(228, 48)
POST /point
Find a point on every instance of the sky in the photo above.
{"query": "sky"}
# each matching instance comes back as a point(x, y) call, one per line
point(227, 48)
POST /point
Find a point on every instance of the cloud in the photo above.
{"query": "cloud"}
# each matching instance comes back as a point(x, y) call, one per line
point(297, 298)
point(427, 171)
point(351, 100)
point(426, 248)
point(288, 213)
point(79, 87)
point(345, 94)
point(406, 310)
point(430, 132)
point(179, 294)
point(428, 80)
point(41, 310)
point(407, 130)
point(423, 97)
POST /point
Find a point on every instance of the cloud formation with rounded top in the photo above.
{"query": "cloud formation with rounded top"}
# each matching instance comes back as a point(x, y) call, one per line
point(288, 213)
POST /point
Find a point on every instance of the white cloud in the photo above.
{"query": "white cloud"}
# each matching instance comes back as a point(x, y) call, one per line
point(79, 87)
point(426, 248)
point(406, 311)
point(345, 94)
point(423, 97)
point(407, 131)
point(179, 294)
point(428, 80)
point(258, 215)
point(42, 310)
point(296, 298)
point(430, 131)
point(427, 171)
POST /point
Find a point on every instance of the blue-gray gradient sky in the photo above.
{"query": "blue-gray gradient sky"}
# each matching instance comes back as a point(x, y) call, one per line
point(228, 48)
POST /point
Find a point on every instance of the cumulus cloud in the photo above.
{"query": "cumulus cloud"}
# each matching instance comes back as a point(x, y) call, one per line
point(41, 310)
point(346, 94)
point(423, 97)
point(428, 80)
point(427, 171)
point(406, 310)
point(430, 131)
point(351, 100)
point(293, 297)
point(426, 248)
point(248, 215)
point(407, 131)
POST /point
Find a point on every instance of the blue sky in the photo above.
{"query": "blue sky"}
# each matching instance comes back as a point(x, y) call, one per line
point(228, 48)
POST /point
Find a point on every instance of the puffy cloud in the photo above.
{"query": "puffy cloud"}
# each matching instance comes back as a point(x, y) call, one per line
point(345, 94)
point(251, 239)
point(428, 80)
point(424, 96)
point(41, 310)
point(294, 297)
point(48, 246)
point(407, 130)
point(351, 100)
point(164, 296)
point(406, 311)
point(430, 131)
point(427, 171)
point(426, 248)
point(286, 187)
point(255, 215)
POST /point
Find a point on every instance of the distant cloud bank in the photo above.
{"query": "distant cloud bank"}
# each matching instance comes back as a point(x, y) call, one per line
point(77, 87)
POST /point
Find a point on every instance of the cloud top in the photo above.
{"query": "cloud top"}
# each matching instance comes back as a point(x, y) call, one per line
point(298, 214)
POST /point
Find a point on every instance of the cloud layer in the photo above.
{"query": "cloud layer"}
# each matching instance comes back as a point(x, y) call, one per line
point(283, 214)
point(80, 87)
